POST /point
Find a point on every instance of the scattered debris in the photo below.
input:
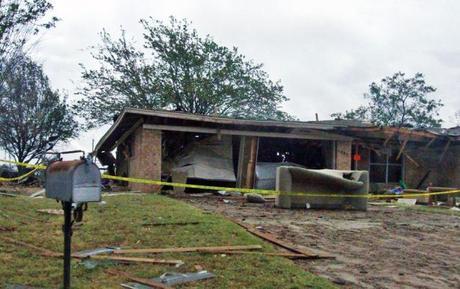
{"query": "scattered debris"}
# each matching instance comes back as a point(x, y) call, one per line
point(7, 229)
point(143, 281)
point(89, 264)
point(40, 193)
point(49, 253)
point(176, 263)
point(172, 278)
point(184, 223)
point(18, 286)
point(222, 193)
point(132, 285)
point(200, 195)
point(408, 202)
point(255, 198)
point(272, 239)
point(97, 251)
point(8, 194)
point(278, 254)
point(187, 249)
point(111, 194)
point(30, 246)
point(59, 212)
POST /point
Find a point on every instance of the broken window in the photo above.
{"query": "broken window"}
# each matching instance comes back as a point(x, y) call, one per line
point(384, 167)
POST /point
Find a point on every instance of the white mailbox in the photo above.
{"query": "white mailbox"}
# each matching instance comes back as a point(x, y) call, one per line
point(77, 181)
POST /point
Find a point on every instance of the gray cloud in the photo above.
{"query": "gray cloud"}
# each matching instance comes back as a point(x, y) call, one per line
point(325, 52)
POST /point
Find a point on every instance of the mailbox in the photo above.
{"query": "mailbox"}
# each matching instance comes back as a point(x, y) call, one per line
point(77, 181)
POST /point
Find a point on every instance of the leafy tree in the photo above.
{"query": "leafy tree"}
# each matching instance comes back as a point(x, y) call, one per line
point(33, 116)
point(399, 102)
point(176, 70)
point(19, 19)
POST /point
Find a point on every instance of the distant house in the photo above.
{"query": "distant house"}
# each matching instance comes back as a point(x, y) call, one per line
point(184, 147)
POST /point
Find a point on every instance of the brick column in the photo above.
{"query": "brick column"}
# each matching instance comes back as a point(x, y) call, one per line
point(343, 155)
point(146, 159)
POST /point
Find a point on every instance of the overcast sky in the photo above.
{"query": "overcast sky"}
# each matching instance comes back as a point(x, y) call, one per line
point(324, 52)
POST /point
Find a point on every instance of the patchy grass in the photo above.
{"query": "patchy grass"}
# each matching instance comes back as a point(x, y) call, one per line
point(119, 223)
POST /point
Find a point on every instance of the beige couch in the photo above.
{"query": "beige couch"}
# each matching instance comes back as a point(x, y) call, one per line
point(295, 179)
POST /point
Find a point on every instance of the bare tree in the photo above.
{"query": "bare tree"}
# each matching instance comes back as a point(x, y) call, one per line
point(33, 117)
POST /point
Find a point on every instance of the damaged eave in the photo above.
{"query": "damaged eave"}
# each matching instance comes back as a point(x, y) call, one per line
point(292, 134)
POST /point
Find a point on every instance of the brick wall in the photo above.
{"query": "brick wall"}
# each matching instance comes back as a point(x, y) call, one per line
point(146, 159)
point(343, 155)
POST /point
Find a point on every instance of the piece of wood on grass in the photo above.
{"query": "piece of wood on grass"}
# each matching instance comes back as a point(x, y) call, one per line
point(279, 254)
point(186, 249)
point(40, 250)
point(143, 281)
point(172, 223)
point(137, 260)
point(272, 239)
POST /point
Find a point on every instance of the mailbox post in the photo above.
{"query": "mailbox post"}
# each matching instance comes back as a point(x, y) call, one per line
point(74, 184)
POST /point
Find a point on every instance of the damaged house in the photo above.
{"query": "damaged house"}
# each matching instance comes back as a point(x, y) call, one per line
point(196, 149)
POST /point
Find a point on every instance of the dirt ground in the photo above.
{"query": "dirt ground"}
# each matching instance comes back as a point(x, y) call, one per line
point(385, 247)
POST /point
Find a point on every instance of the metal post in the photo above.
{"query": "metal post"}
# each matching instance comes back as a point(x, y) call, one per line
point(67, 242)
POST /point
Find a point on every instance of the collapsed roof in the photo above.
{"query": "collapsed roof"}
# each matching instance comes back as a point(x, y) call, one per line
point(132, 118)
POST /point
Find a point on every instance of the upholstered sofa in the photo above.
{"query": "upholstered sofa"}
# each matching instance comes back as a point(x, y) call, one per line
point(292, 180)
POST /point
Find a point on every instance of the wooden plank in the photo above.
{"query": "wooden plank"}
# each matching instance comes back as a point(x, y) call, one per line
point(429, 143)
point(280, 254)
point(172, 224)
point(42, 251)
point(316, 135)
point(135, 260)
point(251, 168)
point(272, 239)
point(401, 150)
point(446, 147)
point(388, 139)
point(186, 249)
point(411, 159)
point(143, 281)
point(241, 161)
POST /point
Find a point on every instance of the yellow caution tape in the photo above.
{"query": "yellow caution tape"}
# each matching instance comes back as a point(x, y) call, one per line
point(19, 177)
point(26, 165)
point(243, 190)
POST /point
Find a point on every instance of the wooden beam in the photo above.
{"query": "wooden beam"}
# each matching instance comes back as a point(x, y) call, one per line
point(279, 254)
point(127, 133)
point(187, 249)
point(388, 139)
point(411, 159)
point(446, 147)
point(251, 168)
point(143, 281)
point(136, 260)
point(272, 239)
point(241, 160)
point(401, 150)
point(42, 251)
point(429, 143)
point(319, 135)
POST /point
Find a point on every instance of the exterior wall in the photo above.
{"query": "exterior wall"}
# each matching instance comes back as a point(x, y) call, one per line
point(443, 174)
point(343, 155)
point(146, 159)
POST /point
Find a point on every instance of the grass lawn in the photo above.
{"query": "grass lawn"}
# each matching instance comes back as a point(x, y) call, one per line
point(119, 223)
